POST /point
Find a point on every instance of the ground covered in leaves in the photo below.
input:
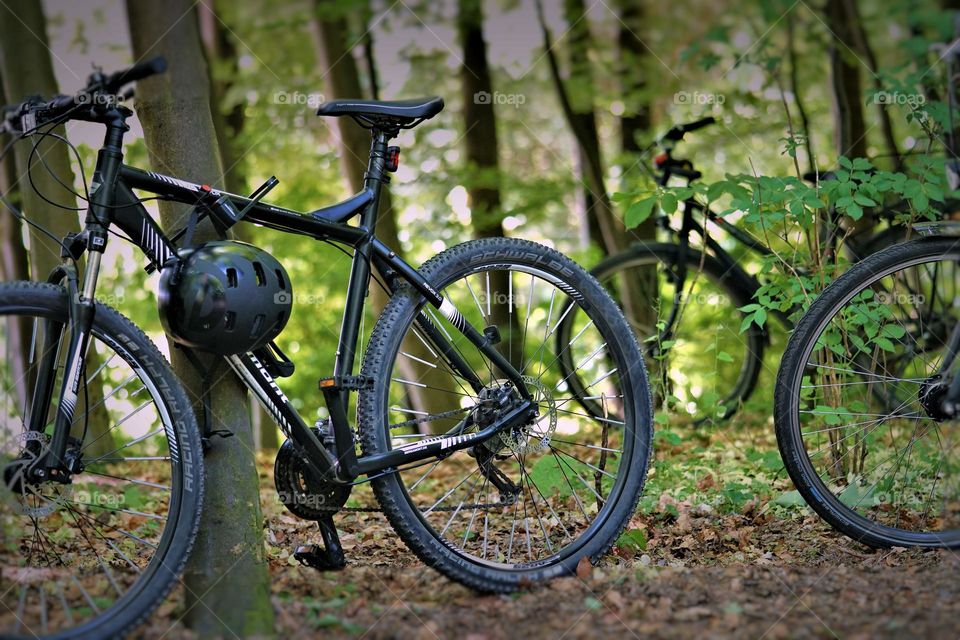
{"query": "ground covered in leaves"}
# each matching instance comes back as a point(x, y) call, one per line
point(720, 547)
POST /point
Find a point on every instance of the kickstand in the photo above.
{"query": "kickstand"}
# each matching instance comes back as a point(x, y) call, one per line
point(328, 558)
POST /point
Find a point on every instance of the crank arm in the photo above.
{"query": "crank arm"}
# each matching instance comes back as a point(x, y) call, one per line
point(443, 445)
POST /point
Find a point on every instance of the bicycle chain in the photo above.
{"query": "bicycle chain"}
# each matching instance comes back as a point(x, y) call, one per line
point(410, 423)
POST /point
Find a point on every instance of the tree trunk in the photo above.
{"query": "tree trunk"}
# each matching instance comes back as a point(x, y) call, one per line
point(221, 55)
point(862, 42)
point(227, 584)
point(13, 266)
point(23, 36)
point(635, 123)
point(582, 122)
point(482, 156)
point(342, 80)
point(796, 89)
point(480, 124)
point(851, 131)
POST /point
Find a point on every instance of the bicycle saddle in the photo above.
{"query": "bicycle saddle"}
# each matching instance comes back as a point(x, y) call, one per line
point(404, 111)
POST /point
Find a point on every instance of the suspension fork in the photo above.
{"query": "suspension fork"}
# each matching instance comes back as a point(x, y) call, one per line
point(81, 306)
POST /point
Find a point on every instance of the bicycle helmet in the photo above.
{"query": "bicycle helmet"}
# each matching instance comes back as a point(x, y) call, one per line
point(225, 297)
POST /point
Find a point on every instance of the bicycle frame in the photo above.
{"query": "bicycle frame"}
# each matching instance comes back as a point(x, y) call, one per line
point(119, 206)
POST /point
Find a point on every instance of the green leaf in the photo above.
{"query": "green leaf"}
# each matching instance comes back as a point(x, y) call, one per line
point(634, 539)
point(723, 356)
point(863, 200)
point(790, 499)
point(639, 211)
point(668, 202)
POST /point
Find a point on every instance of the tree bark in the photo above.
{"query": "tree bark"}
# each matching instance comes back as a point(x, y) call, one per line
point(480, 124)
point(221, 56)
point(859, 33)
point(796, 89)
point(23, 36)
point(13, 266)
point(851, 131)
point(227, 584)
point(342, 81)
point(582, 122)
point(634, 124)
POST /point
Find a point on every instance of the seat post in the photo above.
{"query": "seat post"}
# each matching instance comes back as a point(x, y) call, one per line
point(375, 175)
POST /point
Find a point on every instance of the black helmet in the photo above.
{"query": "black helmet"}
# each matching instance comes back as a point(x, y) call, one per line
point(225, 297)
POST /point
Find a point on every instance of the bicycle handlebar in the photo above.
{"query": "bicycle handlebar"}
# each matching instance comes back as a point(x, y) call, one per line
point(106, 87)
point(677, 132)
point(139, 71)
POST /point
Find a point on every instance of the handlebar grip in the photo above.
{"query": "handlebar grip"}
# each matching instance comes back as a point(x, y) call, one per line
point(138, 71)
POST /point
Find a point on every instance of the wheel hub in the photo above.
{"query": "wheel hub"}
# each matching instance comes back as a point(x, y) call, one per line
point(933, 398)
point(533, 436)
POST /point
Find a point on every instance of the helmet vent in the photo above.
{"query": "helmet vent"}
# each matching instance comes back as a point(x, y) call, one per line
point(232, 278)
point(261, 276)
point(280, 282)
point(230, 321)
point(257, 325)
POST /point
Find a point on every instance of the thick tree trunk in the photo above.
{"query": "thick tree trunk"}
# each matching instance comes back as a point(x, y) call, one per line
point(635, 123)
point(23, 36)
point(13, 261)
point(342, 80)
point(228, 587)
point(480, 124)
point(221, 53)
point(482, 155)
point(23, 30)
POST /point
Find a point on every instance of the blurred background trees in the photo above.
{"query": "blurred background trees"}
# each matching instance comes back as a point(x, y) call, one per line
point(552, 106)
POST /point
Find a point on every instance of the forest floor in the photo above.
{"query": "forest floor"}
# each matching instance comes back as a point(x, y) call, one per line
point(720, 547)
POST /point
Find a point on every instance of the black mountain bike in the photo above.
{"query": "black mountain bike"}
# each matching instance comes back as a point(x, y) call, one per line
point(708, 366)
point(464, 423)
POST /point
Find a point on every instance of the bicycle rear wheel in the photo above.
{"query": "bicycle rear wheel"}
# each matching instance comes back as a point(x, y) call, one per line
point(94, 557)
point(857, 402)
point(527, 505)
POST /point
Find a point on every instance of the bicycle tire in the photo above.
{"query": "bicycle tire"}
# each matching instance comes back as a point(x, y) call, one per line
point(787, 397)
point(187, 479)
point(391, 493)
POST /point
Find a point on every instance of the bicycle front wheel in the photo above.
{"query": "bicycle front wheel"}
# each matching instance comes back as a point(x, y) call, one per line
point(93, 557)
point(528, 504)
point(858, 404)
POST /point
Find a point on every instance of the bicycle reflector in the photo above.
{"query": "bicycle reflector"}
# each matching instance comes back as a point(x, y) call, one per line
point(393, 159)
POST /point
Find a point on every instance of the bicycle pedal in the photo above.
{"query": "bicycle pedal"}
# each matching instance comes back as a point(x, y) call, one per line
point(316, 557)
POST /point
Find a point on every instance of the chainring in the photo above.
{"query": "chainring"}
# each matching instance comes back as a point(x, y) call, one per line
point(299, 492)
